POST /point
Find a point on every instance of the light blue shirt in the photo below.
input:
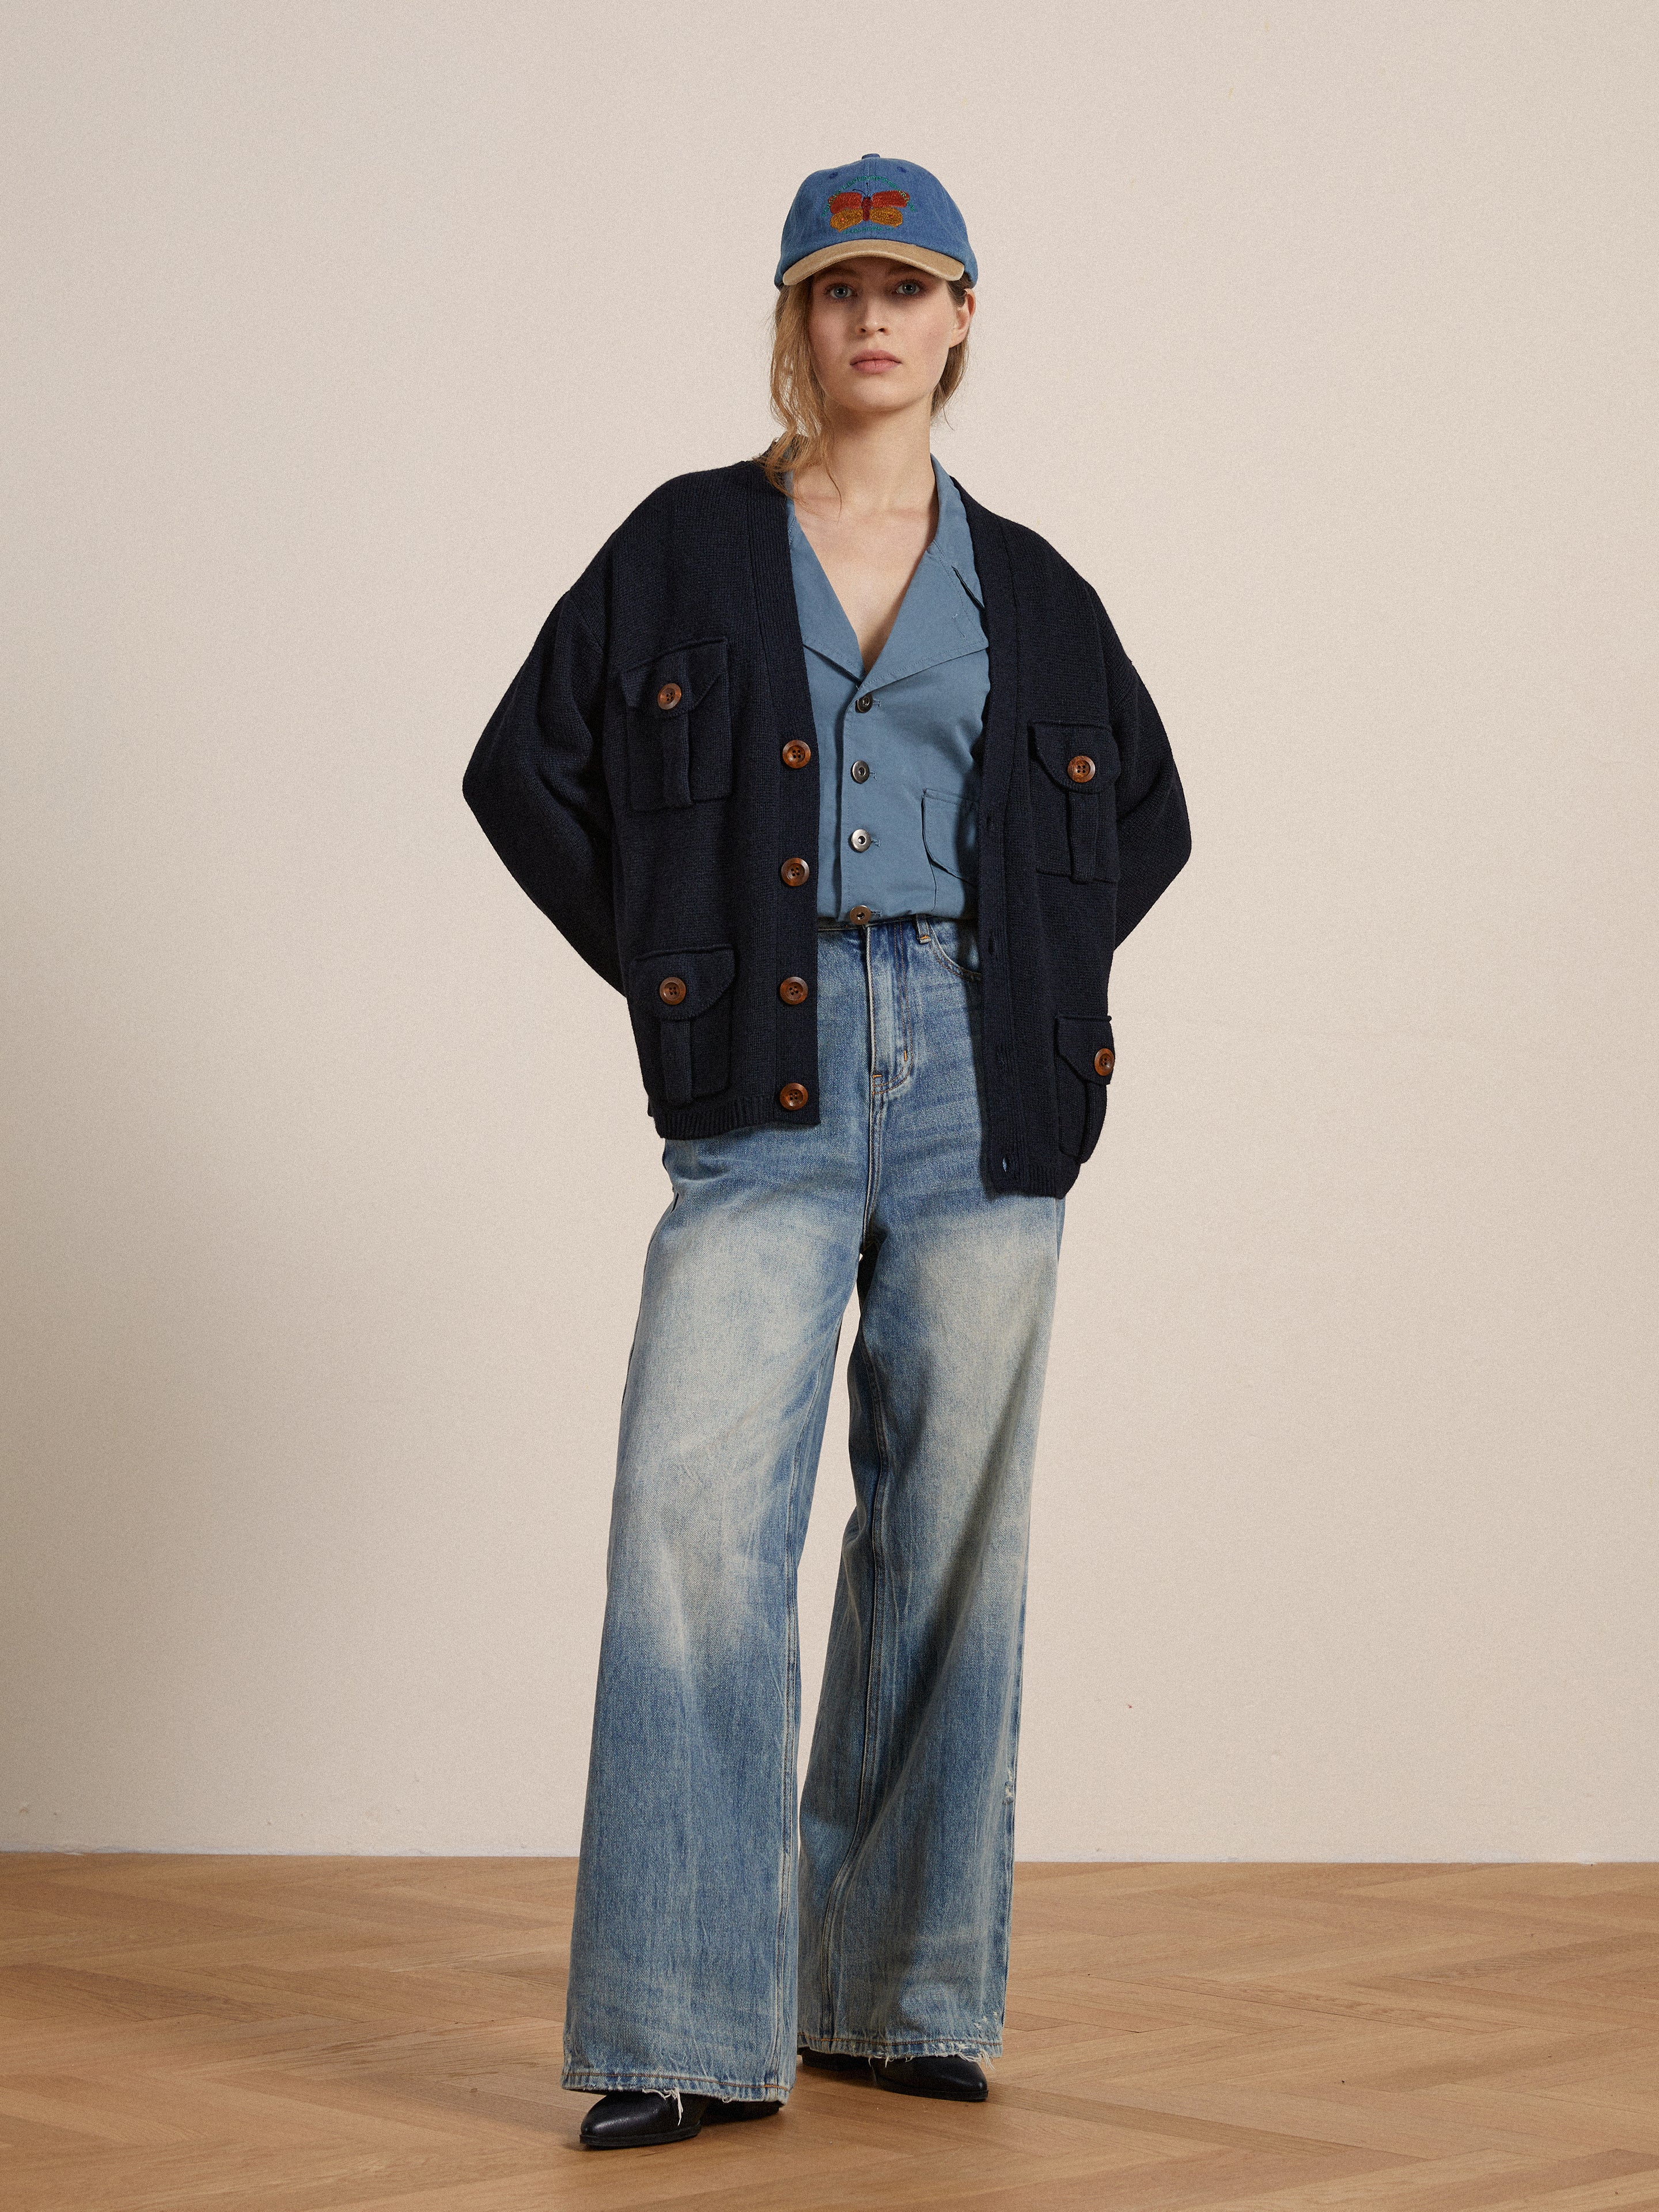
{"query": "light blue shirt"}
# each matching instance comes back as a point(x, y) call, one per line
point(899, 782)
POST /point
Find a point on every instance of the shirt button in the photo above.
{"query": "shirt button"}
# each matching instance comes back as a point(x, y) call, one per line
point(671, 990)
point(860, 770)
point(793, 1095)
point(1080, 768)
point(859, 839)
point(793, 990)
point(859, 916)
point(797, 753)
point(864, 702)
point(795, 871)
point(668, 698)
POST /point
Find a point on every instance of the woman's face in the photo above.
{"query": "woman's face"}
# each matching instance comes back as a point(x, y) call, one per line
point(880, 331)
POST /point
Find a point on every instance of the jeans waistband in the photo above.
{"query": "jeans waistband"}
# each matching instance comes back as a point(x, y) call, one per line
point(919, 924)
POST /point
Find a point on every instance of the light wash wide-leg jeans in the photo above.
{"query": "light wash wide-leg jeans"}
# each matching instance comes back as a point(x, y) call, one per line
point(714, 1934)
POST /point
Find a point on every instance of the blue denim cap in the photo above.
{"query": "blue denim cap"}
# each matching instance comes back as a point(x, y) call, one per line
point(874, 206)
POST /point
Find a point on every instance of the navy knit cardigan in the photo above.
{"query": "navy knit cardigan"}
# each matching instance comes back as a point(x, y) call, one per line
point(644, 779)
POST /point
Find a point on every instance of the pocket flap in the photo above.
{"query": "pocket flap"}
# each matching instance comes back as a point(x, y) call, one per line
point(688, 671)
point(1056, 745)
point(950, 831)
point(703, 973)
point(1080, 1038)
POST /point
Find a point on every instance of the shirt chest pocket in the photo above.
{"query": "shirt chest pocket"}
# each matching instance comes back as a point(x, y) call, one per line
point(678, 706)
point(1074, 800)
point(950, 831)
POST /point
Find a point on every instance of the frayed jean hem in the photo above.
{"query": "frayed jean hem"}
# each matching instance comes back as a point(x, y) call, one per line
point(601, 2081)
point(861, 2046)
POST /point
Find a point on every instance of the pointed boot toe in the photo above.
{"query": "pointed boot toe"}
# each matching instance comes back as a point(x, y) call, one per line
point(942, 2073)
point(634, 2119)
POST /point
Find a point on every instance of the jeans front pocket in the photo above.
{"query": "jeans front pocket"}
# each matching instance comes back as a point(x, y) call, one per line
point(681, 1003)
point(1074, 800)
point(679, 726)
point(954, 944)
point(1084, 1060)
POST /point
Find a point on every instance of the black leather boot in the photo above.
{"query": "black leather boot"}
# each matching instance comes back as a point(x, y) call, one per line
point(940, 2073)
point(943, 2074)
point(634, 2119)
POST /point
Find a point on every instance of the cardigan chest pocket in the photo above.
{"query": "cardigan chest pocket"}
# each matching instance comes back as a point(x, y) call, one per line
point(1074, 800)
point(681, 1003)
point(679, 726)
point(1084, 1058)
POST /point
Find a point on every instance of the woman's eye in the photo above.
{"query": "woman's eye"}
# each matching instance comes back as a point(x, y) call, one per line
point(909, 284)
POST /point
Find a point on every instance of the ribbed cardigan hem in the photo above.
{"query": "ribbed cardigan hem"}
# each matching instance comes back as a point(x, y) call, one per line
point(1050, 1178)
point(717, 1116)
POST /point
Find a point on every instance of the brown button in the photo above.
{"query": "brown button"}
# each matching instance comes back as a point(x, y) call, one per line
point(797, 753)
point(793, 1095)
point(793, 990)
point(669, 695)
point(795, 871)
point(671, 990)
point(860, 915)
point(1080, 768)
point(1105, 1060)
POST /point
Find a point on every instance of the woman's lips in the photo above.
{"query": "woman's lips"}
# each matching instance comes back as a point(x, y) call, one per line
point(874, 361)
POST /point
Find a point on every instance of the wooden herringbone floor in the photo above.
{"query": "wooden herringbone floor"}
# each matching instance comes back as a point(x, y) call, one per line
point(310, 2035)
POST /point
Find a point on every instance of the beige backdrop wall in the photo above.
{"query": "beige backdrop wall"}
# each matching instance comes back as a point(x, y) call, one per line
point(1321, 338)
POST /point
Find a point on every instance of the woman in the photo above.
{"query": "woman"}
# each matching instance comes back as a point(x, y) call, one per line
point(848, 785)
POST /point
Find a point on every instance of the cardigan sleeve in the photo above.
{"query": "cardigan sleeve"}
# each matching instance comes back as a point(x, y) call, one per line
point(536, 783)
point(1153, 837)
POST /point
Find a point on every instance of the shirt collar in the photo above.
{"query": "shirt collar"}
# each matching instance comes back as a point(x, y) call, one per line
point(952, 540)
point(824, 625)
point(938, 619)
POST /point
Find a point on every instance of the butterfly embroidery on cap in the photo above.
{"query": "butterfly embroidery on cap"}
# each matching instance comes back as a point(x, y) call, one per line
point(883, 206)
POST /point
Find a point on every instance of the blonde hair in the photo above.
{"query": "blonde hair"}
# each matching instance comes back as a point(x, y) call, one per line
point(797, 397)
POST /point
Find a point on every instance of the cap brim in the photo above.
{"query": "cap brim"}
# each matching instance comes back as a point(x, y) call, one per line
point(913, 257)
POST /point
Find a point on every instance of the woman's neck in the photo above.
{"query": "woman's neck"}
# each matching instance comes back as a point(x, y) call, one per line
point(882, 466)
